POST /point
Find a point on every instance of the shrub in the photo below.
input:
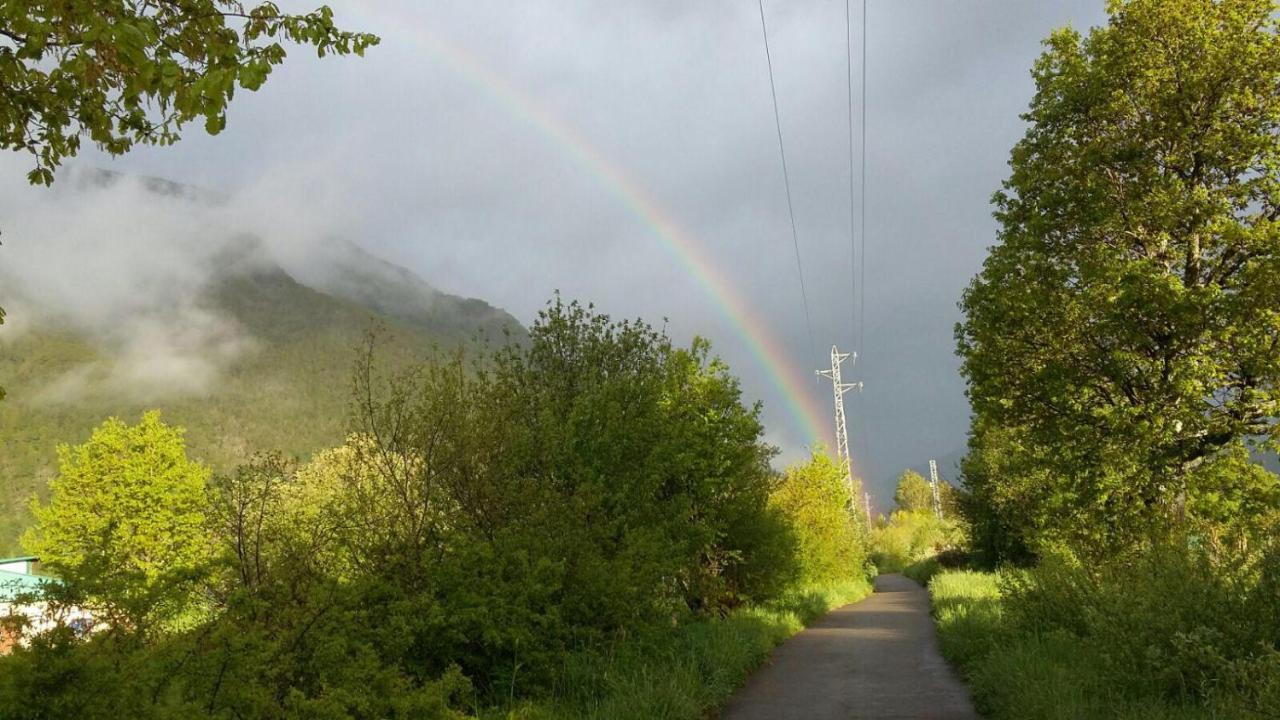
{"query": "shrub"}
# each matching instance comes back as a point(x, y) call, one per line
point(908, 537)
point(814, 497)
point(1179, 620)
point(1186, 629)
point(922, 571)
point(486, 522)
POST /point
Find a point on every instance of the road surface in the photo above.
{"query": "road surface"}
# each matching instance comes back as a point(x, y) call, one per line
point(874, 659)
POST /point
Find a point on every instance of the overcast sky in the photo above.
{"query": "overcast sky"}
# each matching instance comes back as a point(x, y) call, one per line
point(417, 156)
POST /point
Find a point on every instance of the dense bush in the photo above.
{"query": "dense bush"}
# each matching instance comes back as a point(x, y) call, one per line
point(1181, 631)
point(1181, 618)
point(815, 497)
point(920, 528)
point(489, 519)
point(907, 537)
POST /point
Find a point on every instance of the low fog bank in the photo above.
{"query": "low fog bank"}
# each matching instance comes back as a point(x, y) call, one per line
point(126, 262)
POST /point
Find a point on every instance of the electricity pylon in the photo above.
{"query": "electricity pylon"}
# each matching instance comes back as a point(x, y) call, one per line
point(839, 387)
point(933, 485)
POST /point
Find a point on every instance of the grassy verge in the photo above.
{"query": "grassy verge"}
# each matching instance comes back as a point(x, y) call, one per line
point(683, 672)
point(923, 571)
point(1018, 675)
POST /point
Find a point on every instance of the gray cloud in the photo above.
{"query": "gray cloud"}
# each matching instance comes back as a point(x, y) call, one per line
point(437, 172)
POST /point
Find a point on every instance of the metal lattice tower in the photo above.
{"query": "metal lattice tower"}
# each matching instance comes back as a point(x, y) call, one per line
point(839, 388)
point(933, 485)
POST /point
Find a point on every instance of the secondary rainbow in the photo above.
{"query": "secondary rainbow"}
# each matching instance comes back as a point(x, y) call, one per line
point(680, 244)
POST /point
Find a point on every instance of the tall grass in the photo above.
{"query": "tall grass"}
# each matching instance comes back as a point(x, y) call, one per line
point(684, 671)
point(1019, 673)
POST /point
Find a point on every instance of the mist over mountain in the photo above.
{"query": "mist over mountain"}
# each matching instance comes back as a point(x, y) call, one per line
point(126, 293)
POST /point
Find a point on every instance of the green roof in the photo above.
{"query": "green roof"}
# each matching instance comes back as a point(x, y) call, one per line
point(16, 583)
point(12, 583)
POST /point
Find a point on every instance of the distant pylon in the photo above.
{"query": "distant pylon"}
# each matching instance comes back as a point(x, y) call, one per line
point(840, 387)
point(933, 485)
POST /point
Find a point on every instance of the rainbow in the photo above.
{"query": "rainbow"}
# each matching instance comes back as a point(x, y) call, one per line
point(807, 414)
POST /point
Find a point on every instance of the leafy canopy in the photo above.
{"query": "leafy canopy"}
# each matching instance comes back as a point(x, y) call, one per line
point(913, 492)
point(1126, 326)
point(129, 499)
point(123, 72)
point(815, 497)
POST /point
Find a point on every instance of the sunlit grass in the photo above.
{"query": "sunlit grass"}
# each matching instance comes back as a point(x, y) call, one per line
point(1033, 676)
point(683, 672)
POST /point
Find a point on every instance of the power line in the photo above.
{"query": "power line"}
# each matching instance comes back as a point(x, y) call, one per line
point(786, 181)
point(853, 240)
point(862, 269)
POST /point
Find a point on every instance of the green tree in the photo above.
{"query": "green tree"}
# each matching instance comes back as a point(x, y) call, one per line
point(123, 72)
point(129, 500)
point(1126, 326)
point(814, 496)
point(908, 536)
point(913, 493)
point(1004, 500)
point(594, 480)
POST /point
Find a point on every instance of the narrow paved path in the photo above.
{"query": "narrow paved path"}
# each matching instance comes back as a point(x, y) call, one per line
point(874, 659)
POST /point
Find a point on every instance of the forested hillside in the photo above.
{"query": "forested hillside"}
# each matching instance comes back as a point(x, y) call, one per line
point(288, 390)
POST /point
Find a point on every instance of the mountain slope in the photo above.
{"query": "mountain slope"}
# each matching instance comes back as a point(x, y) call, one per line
point(286, 389)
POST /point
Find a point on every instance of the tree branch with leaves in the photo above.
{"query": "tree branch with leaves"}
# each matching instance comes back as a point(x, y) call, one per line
point(129, 72)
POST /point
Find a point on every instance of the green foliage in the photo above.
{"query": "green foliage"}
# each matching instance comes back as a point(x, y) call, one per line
point(913, 493)
point(1120, 348)
point(681, 673)
point(914, 532)
point(291, 393)
point(1119, 344)
point(126, 517)
point(910, 537)
point(1185, 618)
point(1177, 633)
point(1005, 500)
point(129, 495)
point(814, 496)
point(922, 571)
point(594, 480)
point(494, 530)
point(125, 72)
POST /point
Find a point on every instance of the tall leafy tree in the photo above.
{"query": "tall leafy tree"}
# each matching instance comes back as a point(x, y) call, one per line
point(128, 499)
point(913, 493)
point(1127, 323)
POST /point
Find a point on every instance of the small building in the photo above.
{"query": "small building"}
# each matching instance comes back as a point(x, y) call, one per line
point(21, 565)
point(19, 589)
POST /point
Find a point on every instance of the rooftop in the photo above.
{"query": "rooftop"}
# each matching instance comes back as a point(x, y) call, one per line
point(13, 583)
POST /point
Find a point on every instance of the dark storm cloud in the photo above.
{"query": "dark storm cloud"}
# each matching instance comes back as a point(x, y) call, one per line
point(439, 175)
